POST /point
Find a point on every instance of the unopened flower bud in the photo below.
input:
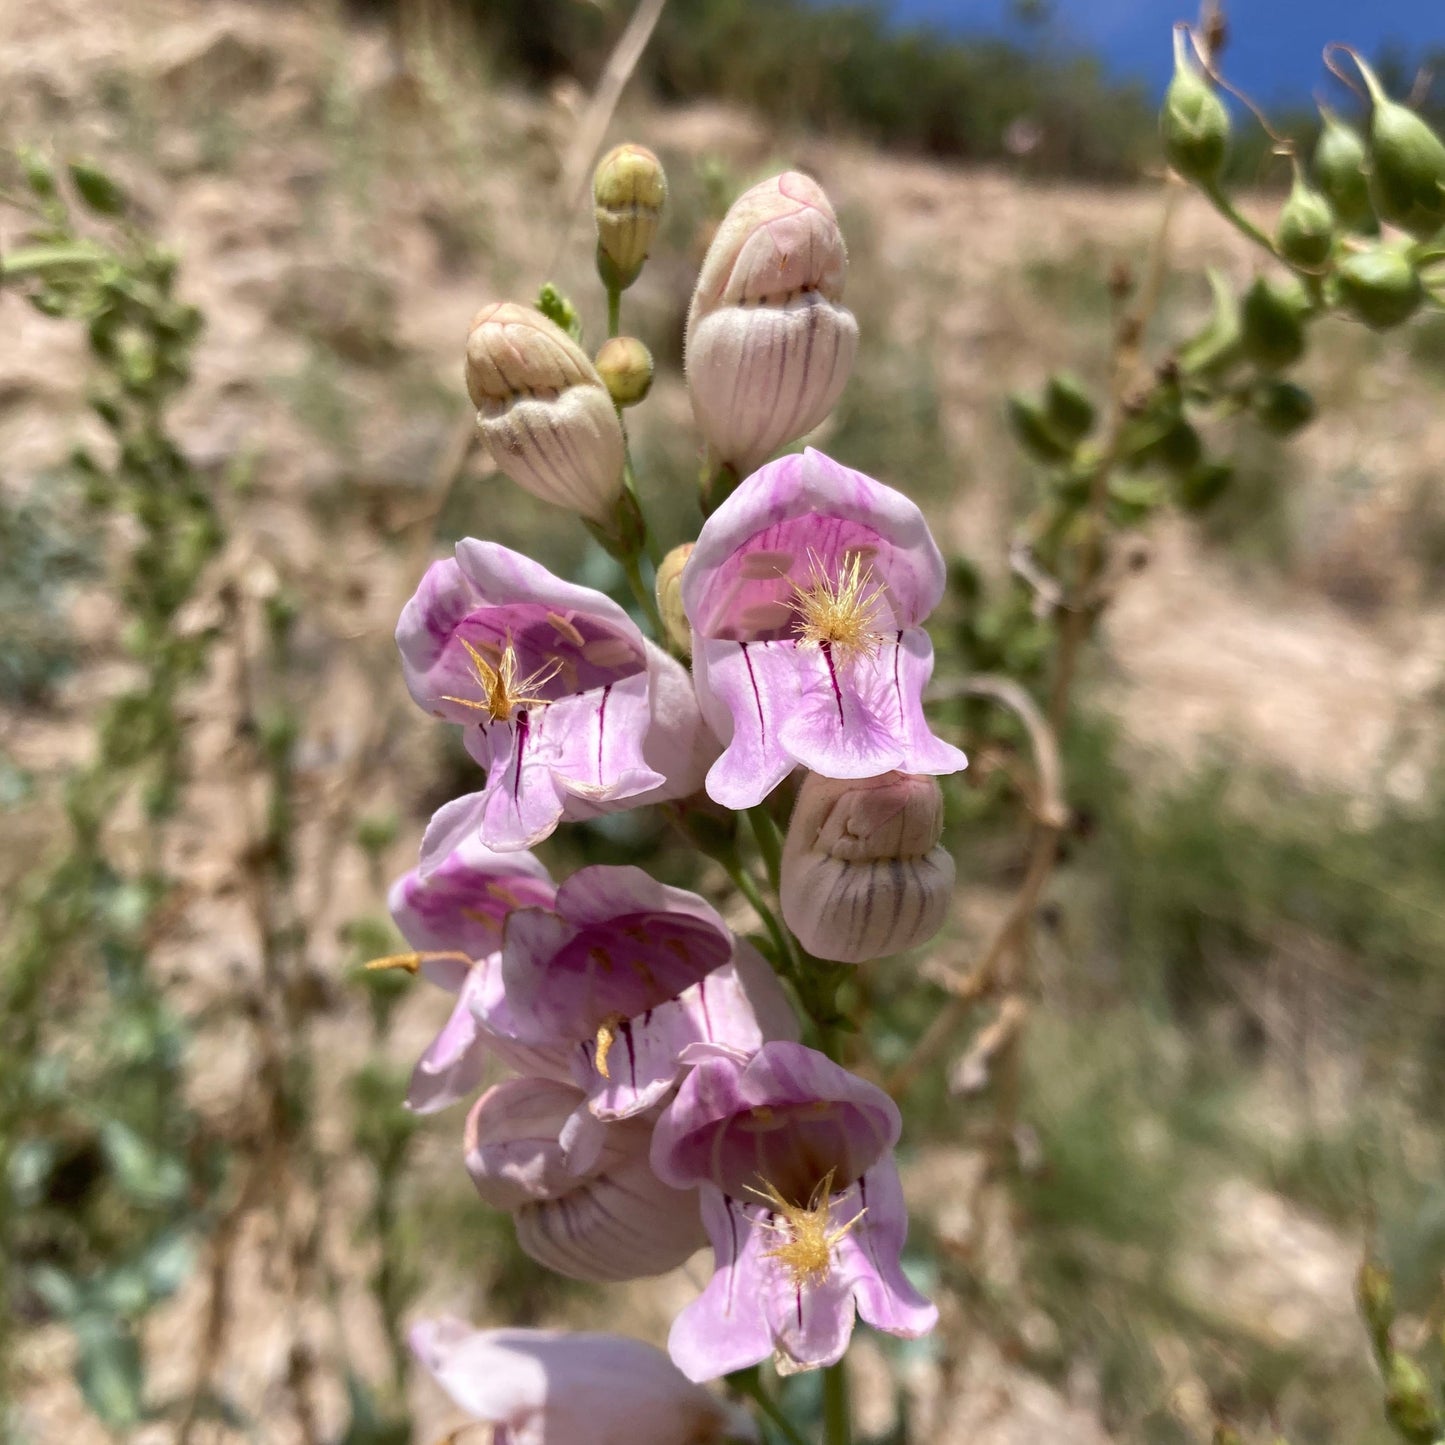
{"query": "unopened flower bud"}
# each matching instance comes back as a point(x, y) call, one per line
point(1375, 1291)
point(1380, 286)
point(1341, 166)
point(1194, 124)
point(1282, 407)
point(1306, 230)
point(629, 189)
point(543, 411)
point(1272, 322)
point(625, 366)
point(769, 343)
point(1409, 1402)
point(1199, 489)
point(1068, 406)
point(863, 873)
point(1407, 164)
point(669, 597)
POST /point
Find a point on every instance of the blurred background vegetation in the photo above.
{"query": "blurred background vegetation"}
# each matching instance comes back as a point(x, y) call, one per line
point(232, 433)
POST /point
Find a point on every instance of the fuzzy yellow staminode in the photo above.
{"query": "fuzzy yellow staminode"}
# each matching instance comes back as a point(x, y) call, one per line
point(606, 1036)
point(502, 693)
point(806, 1245)
point(841, 614)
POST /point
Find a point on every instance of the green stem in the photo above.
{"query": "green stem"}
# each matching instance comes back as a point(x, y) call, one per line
point(747, 885)
point(646, 599)
point(614, 311)
point(753, 1389)
point(770, 842)
point(1240, 222)
point(837, 1424)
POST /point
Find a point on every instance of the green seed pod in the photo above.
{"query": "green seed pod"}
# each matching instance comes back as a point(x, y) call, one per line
point(1068, 407)
point(1341, 167)
point(625, 366)
point(1306, 230)
point(1194, 124)
point(1282, 407)
point(1216, 349)
point(1407, 164)
point(1380, 286)
point(1272, 323)
point(1204, 486)
point(1033, 431)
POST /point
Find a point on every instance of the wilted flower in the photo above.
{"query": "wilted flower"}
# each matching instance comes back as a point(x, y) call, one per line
point(800, 1195)
point(629, 973)
point(543, 412)
point(565, 705)
point(608, 1218)
point(863, 873)
point(769, 342)
point(458, 913)
point(550, 1387)
point(806, 591)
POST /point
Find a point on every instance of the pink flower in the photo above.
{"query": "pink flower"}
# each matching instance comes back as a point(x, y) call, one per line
point(626, 974)
point(801, 1199)
point(460, 909)
point(565, 705)
point(806, 591)
point(610, 1219)
point(548, 1387)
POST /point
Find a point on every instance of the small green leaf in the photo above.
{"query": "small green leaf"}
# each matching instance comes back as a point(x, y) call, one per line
point(558, 309)
point(60, 1293)
point(108, 1369)
point(39, 173)
point(98, 190)
point(143, 1172)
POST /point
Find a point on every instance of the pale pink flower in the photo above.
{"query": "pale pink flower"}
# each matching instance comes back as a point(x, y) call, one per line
point(806, 592)
point(565, 705)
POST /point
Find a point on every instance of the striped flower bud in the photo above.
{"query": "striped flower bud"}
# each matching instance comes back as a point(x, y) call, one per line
point(863, 873)
point(769, 343)
point(610, 1219)
point(543, 412)
point(629, 189)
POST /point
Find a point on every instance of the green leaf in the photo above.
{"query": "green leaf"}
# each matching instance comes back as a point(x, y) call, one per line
point(98, 190)
point(168, 1262)
point(148, 1176)
point(558, 309)
point(108, 1369)
point(60, 1293)
point(39, 173)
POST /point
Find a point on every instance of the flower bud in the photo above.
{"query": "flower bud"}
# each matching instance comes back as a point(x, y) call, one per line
point(1375, 1291)
point(1282, 407)
point(1380, 286)
point(863, 873)
point(1409, 1401)
point(625, 366)
point(1407, 164)
point(669, 597)
point(543, 411)
point(629, 189)
point(1199, 489)
point(769, 343)
point(1341, 166)
point(1306, 230)
point(1272, 321)
point(1194, 124)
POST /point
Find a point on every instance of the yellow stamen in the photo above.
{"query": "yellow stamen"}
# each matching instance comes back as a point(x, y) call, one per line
point(606, 1036)
point(411, 962)
point(806, 1248)
point(840, 615)
point(502, 692)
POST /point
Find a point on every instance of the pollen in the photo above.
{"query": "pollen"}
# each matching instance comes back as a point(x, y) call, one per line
point(502, 691)
point(606, 1037)
point(805, 1241)
point(840, 614)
